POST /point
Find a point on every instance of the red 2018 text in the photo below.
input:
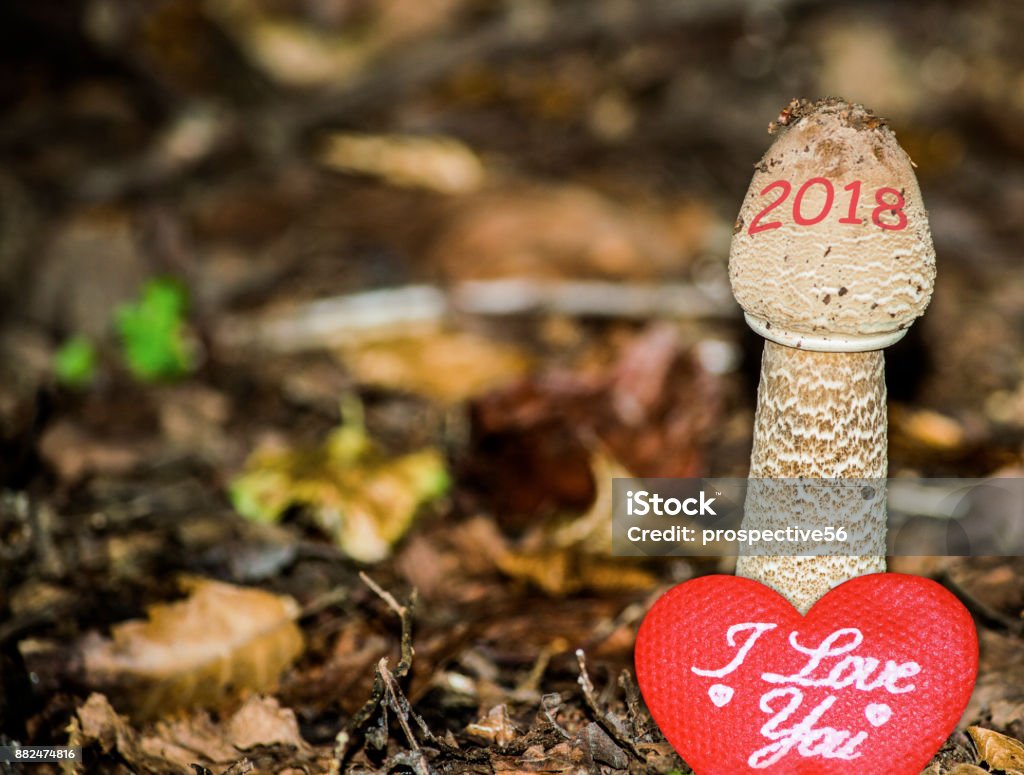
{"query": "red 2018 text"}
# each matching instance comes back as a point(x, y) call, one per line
point(889, 203)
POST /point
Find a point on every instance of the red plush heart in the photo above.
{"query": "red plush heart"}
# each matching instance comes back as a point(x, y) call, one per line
point(872, 680)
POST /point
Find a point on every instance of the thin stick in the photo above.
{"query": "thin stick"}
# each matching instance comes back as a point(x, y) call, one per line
point(611, 724)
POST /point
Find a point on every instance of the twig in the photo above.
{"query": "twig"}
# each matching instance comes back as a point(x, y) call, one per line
point(343, 741)
point(531, 683)
point(379, 314)
point(329, 599)
point(611, 724)
point(328, 322)
point(391, 693)
point(551, 702)
point(634, 704)
point(384, 595)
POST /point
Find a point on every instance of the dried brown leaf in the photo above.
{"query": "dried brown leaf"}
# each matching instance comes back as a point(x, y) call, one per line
point(927, 427)
point(73, 451)
point(187, 740)
point(174, 746)
point(1000, 752)
point(961, 769)
point(495, 727)
point(1000, 674)
point(563, 232)
point(446, 366)
point(96, 723)
point(437, 163)
point(262, 721)
point(196, 652)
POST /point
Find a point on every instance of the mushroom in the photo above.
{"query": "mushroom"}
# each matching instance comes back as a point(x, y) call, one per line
point(831, 261)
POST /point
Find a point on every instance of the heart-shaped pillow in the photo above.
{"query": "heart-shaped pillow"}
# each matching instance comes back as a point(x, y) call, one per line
point(871, 681)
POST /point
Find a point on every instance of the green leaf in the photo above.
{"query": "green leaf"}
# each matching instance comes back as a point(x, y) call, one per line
point(74, 364)
point(153, 334)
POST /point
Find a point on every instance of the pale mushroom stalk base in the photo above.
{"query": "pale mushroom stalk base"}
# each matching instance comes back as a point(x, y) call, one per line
point(820, 415)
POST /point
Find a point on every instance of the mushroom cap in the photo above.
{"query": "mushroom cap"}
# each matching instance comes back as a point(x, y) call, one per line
point(823, 284)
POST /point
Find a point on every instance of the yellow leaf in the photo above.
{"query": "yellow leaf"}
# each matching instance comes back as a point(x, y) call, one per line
point(362, 500)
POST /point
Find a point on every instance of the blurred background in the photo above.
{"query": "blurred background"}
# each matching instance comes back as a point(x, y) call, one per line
point(294, 288)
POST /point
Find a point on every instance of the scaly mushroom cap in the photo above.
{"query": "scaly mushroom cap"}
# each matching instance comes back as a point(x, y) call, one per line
point(816, 282)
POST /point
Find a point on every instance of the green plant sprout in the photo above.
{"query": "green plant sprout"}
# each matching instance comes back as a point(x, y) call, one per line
point(74, 363)
point(152, 332)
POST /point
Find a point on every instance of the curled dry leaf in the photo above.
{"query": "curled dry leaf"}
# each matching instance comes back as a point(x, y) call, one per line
point(262, 721)
point(999, 752)
point(495, 727)
point(96, 723)
point(173, 746)
point(196, 652)
point(575, 555)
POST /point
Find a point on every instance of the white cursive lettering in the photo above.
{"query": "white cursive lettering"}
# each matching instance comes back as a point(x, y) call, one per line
point(825, 742)
point(856, 671)
point(757, 630)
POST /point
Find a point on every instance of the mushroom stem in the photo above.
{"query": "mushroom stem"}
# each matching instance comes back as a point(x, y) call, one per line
point(820, 416)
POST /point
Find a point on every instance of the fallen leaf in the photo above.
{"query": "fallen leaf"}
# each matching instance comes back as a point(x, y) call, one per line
point(598, 748)
point(345, 677)
point(1000, 674)
point(562, 572)
point(74, 451)
point(1002, 713)
point(593, 530)
point(262, 721)
point(993, 584)
point(495, 727)
point(446, 366)
point(197, 652)
point(441, 164)
point(365, 502)
point(1000, 752)
point(653, 409)
point(96, 723)
point(928, 427)
point(559, 232)
point(174, 746)
point(184, 741)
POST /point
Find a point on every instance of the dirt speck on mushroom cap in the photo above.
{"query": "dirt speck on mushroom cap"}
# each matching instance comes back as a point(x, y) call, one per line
point(834, 164)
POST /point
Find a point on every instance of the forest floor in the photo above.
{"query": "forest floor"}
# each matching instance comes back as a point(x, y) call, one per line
point(370, 532)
